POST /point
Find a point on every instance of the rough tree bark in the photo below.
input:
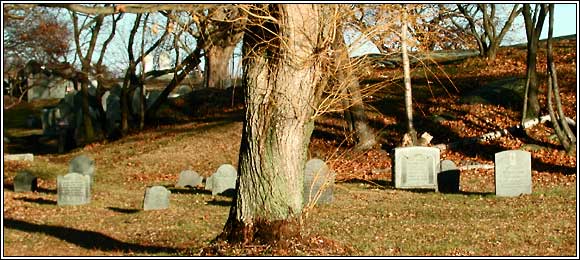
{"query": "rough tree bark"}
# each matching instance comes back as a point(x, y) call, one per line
point(216, 72)
point(282, 76)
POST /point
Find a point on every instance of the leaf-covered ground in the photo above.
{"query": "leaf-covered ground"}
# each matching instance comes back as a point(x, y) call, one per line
point(368, 216)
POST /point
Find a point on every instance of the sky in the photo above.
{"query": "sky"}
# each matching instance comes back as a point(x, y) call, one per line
point(565, 20)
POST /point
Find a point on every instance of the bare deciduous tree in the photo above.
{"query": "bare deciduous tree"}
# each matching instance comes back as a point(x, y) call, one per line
point(563, 131)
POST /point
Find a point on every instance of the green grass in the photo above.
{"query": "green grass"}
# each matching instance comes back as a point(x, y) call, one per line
point(396, 222)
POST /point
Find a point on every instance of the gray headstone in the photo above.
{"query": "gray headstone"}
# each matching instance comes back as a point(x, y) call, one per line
point(73, 189)
point(222, 180)
point(513, 173)
point(416, 167)
point(156, 197)
point(152, 96)
point(318, 183)
point(104, 99)
point(448, 177)
point(113, 111)
point(25, 181)
point(188, 178)
point(83, 165)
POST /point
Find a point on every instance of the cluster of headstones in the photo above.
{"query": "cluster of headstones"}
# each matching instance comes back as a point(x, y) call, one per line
point(66, 117)
point(420, 168)
point(74, 188)
point(222, 181)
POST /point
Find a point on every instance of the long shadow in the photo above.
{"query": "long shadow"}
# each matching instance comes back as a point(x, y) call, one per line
point(86, 239)
point(388, 185)
point(225, 203)
point(189, 191)
point(38, 200)
point(545, 167)
point(121, 210)
point(37, 144)
point(381, 184)
point(47, 191)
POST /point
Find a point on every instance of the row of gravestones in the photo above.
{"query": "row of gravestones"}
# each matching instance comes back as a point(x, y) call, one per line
point(420, 168)
point(74, 188)
point(223, 180)
point(318, 181)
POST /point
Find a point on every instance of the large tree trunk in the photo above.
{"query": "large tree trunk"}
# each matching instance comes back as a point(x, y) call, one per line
point(216, 72)
point(220, 48)
point(281, 79)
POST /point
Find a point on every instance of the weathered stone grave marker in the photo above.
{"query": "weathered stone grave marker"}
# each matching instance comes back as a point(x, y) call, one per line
point(513, 173)
point(448, 177)
point(83, 165)
point(73, 189)
point(156, 197)
point(222, 180)
point(318, 183)
point(188, 178)
point(25, 181)
point(416, 167)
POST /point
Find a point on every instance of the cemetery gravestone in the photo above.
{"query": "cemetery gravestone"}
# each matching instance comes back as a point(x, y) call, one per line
point(156, 197)
point(318, 183)
point(448, 177)
point(222, 180)
point(83, 165)
point(73, 189)
point(416, 167)
point(189, 178)
point(25, 181)
point(513, 173)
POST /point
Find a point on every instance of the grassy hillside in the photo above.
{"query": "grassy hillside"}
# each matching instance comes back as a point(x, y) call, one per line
point(368, 217)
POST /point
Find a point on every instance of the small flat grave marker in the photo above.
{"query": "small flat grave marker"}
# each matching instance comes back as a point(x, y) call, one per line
point(222, 180)
point(156, 197)
point(25, 181)
point(318, 183)
point(513, 173)
point(73, 189)
point(416, 167)
point(448, 177)
point(189, 178)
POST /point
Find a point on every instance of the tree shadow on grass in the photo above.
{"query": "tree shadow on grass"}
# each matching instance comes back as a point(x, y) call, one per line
point(86, 239)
